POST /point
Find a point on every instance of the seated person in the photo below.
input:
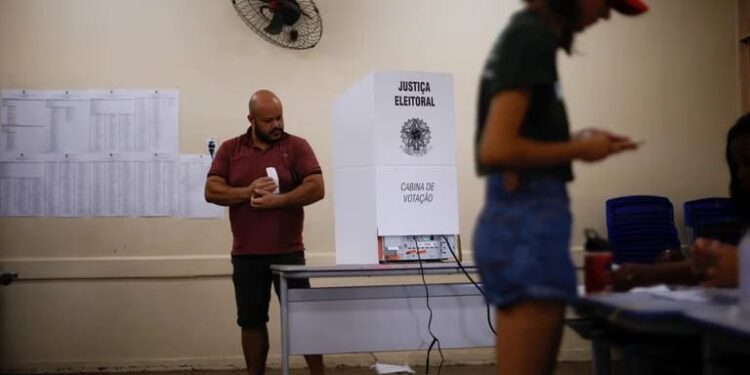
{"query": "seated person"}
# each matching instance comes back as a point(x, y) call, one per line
point(713, 263)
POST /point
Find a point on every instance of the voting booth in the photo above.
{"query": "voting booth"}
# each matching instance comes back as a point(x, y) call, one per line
point(394, 162)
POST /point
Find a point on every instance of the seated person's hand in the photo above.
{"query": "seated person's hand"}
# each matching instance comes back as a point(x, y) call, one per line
point(670, 255)
point(675, 272)
point(627, 276)
point(718, 261)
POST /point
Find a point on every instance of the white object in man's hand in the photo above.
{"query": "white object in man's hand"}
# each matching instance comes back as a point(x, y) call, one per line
point(271, 172)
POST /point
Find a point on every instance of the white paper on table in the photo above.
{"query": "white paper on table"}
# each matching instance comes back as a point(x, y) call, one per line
point(383, 368)
point(663, 291)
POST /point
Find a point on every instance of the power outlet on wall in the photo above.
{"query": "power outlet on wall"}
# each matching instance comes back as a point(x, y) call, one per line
point(211, 146)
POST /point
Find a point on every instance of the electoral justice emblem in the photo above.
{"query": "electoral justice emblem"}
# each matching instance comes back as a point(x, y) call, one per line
point(415, 137)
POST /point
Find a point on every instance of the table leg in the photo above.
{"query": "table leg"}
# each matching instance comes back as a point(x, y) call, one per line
point(602, 356)
point(716, 361)
point(284, 307)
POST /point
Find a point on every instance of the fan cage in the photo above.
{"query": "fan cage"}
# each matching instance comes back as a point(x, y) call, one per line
point(257, 14)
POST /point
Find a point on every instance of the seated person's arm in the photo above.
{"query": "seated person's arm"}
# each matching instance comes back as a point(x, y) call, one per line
point(631, 275)
point(714, 264)
point(720, 262)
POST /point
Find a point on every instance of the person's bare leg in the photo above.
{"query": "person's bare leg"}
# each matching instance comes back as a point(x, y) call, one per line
point(255, 349)
point(315, 364)
point(528, 338)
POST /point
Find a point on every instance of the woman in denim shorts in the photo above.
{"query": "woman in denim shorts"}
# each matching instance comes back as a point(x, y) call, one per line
point(524, 147)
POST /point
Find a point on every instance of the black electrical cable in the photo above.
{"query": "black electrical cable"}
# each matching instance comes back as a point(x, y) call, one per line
point(429, 321)
point(461, 266)
point(375, 358)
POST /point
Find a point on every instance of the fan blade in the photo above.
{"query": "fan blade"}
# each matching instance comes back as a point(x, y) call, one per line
point(276, 25)
point(290, 10)
point(294, 24)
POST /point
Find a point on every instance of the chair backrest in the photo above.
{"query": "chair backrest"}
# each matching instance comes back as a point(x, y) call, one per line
point(640, 227)
point(629, 208)
point(729, 232)
point(711, 217)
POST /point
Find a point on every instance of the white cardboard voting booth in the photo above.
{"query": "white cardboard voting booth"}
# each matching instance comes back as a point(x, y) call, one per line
point(394, 161)
point(394, 176)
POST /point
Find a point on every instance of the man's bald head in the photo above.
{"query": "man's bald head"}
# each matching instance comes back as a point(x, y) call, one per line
point(261, 99)
point(266, 117)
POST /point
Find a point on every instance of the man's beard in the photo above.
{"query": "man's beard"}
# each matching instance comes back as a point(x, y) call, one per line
point(267, 137)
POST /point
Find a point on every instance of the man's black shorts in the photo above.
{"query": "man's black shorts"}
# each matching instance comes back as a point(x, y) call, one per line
point(252, 276)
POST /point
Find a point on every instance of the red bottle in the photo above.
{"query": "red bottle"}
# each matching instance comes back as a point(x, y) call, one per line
point(597, 263)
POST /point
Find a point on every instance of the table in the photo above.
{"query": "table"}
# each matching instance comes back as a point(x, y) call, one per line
point(352, 319)
point(721, 333)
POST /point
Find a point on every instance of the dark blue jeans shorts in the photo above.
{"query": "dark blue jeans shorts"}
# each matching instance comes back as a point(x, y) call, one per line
point(522, 242)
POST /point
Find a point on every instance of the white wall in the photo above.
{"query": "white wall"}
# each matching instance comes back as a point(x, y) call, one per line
point(154, 293)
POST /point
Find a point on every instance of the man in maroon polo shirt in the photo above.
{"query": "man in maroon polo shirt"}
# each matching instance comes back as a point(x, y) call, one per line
point(266, 222)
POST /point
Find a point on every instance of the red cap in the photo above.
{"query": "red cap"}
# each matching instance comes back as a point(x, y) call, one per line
point(629, 7)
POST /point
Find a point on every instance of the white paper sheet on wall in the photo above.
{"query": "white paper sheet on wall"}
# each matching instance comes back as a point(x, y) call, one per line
point(21, 187)
point(74, 185)
point(76, 121)
point(192, 179)
point(73, 153)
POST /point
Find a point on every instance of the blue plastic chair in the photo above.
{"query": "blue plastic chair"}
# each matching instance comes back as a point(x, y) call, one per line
point(640, 227)
point(711, 217)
